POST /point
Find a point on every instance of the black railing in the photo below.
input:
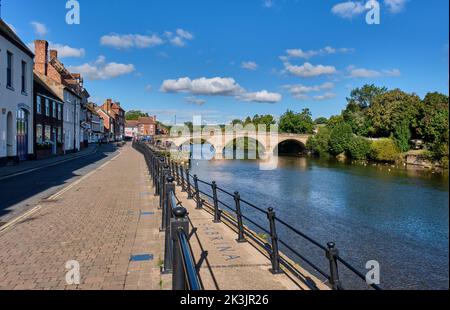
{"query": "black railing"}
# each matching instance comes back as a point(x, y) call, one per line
point(219, 207)
point(178, 255)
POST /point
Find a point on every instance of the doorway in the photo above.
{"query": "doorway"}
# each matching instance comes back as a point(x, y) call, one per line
point(22, 134)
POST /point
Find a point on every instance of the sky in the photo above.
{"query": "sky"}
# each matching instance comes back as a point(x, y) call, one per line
point(229, 59)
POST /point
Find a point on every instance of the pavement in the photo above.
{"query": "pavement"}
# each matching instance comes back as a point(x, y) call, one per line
point(26, 166)
point(106, 223)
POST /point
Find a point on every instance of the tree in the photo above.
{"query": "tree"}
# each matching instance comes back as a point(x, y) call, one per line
point(321, 121)
point(391, 109)
point(363, 97)
point(358, 148)
point(402, 136)
point(264, 120)
point(298, 123)
point(134, 115)
point(434, 124)
point(319, 144)
point(384, 150)
point(340, 137)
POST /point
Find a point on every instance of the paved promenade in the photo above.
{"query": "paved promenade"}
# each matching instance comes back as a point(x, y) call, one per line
point(100, 221)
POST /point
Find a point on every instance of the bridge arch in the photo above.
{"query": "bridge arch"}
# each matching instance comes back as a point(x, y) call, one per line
point(243, 147)
point(290, 147)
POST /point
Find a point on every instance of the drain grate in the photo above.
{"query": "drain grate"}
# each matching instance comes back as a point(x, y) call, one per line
point(141, 257)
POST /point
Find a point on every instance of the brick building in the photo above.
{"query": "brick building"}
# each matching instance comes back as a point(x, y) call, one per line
point(115, 111)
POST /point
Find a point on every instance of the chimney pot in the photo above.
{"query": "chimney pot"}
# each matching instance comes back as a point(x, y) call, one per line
point(53, 54)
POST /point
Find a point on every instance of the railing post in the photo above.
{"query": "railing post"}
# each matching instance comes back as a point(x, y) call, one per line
point(183, 188)
point(216, 203)
point(237, 200)
point(179, 221)
point(168, 250)
point(168, 188)
point(178, 174)
point(275, 255)
point(162, 194)
point(188, 184)
point(197, 193)
point(331, 253)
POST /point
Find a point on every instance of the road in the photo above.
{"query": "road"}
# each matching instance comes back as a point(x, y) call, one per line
point(20, 193)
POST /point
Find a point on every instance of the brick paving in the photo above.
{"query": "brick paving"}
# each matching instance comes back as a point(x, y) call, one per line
point(97, 222)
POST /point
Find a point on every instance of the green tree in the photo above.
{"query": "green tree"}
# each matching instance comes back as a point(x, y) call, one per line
point(264, 120)
point(384, 150)
point(391, 109)
point(321, 121)
point(363, 97)
point(298, 123)
point(340, 137)
point(358, 148)
point(402, 135)
point(134, 115)
point(434, 124)
point(319, 143)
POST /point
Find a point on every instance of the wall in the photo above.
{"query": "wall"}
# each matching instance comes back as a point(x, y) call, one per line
point(11, 100)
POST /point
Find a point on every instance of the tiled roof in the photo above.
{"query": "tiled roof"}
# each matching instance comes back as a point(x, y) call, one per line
point(131, 123)
point(146, 121)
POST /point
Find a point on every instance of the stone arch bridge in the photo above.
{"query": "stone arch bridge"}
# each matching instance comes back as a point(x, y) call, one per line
point(268, 141)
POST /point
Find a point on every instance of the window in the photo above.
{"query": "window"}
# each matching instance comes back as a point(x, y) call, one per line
point(9, 68)
point(54, 109)
point(38, 104)
point(39, 133)
point(59, 135)
point(59, 111)
point(47, 107)
point(48, 133)
point(24, 74)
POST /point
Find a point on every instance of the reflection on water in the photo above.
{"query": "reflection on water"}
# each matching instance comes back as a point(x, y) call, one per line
point(398, 217)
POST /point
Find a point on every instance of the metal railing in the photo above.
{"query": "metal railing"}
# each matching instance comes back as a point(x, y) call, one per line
point(178, 255)
point(221, 209)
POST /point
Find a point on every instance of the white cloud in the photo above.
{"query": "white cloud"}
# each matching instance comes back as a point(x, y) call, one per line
point(101, 70)
point(124, 41)
point(325, 96)
point(180, 37)
point(309, 70)
point(262, 97)
point(328, 50)
point(39, 29)
point(395, 6)
point(368, 73)
point(348, 9)
point(300, 91)
point(195, 100)
point(249, 65)
point(65, 51)
point(217, 86)
point(203, 86)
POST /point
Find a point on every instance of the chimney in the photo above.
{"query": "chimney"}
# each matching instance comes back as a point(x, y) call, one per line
point(41, 56)
point(53, 54)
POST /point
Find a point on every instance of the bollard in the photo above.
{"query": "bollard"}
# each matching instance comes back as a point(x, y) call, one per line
point(188, 184)
point(237, 200)
point(197, 194)
point(275, 255)
point(179, 221)
point(332, 253)
point(216, 203)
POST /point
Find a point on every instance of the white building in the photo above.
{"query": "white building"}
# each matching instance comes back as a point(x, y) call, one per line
point(71, 120)
point(16, 97)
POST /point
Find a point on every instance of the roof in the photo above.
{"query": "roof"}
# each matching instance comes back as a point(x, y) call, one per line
point(146, 121)
point(131, 123)
point(8, 33)
point(38, 80)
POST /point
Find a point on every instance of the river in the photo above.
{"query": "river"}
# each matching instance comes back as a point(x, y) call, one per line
point(397, 217)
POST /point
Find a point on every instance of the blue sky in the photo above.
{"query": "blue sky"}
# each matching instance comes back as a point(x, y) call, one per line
point(229, 59)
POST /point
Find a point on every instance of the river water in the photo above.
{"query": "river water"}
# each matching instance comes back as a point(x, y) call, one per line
point(395, 216)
